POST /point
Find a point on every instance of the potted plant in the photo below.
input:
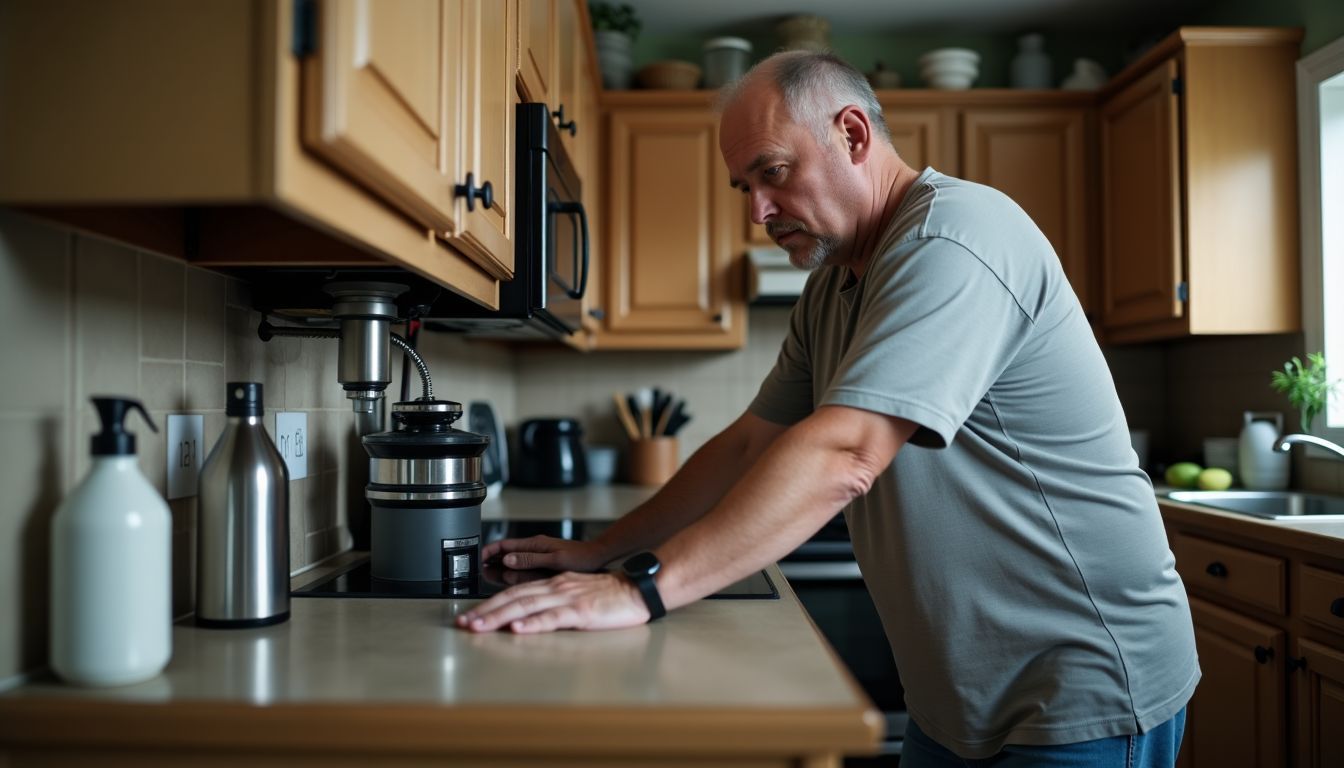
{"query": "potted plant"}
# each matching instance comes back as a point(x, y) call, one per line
point(615, 27)
point(1306, 386)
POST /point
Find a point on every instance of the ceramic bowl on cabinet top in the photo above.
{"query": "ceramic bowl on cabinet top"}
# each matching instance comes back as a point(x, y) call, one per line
point(670, 75)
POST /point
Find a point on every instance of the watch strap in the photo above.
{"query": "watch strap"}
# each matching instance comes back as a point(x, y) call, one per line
point(649, 591)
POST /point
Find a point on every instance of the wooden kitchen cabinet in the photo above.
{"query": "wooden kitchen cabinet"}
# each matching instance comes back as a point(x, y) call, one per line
point(240, 134)
point(671, 277)
point(1270, 648)
point(1199, 188)
point(1237, 714)
point(536, 50)
point(1320, 704)
point(415, 100)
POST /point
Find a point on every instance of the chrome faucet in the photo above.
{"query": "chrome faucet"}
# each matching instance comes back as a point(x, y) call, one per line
point(1287, 441)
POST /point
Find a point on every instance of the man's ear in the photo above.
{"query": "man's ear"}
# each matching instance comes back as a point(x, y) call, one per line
point(858, 132)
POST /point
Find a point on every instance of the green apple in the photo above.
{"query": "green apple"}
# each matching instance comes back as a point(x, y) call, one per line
point(1214, 479)
point(1183, 474)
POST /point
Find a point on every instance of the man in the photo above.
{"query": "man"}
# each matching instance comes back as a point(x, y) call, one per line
point(939, 384)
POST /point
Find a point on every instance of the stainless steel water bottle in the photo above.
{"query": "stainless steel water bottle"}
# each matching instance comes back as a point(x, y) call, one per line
point(242, 560)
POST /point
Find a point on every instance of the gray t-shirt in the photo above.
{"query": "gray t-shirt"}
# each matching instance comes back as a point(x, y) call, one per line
point(1014, 549)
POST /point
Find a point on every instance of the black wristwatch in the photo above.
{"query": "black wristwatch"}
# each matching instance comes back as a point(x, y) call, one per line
point(640, 568)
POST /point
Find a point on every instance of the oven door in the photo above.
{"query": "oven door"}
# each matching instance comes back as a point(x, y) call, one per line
point(825, 576)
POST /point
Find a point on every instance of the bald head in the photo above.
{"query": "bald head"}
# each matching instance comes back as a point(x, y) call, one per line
point(814, 87)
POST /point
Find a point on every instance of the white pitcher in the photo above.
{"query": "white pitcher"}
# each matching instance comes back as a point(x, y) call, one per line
point(1261, 467)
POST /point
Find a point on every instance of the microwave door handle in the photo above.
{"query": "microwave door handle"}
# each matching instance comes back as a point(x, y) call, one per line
point(571, 209)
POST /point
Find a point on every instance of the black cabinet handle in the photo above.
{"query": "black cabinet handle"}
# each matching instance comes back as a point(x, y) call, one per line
point(1337, 607)
point(560, 123)
point(1296, 664)
point(1263, 654)
point(486, 192)
point(1217, 570)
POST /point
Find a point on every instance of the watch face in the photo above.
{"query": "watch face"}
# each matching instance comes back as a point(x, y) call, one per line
point(642, 563)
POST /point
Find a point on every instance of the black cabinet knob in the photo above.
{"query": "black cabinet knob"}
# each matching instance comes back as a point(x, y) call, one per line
point(1217, 570)
point(1263, 654)
point(486, 193)
point(597, 314)
point(1296, 664)
point(560, 123)
point(1337, 607)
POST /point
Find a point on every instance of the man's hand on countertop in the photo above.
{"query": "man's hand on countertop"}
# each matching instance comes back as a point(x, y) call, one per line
point(544, 552)
point(565, 601)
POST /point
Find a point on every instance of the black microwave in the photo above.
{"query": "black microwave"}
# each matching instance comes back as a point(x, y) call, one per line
point(551, 257)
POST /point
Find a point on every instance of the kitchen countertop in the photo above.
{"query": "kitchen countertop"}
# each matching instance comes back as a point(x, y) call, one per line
point(590, 502)
point(394, 677)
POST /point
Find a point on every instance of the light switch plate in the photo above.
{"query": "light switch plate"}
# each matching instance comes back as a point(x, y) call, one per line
point(186, 446)
point(291, 437)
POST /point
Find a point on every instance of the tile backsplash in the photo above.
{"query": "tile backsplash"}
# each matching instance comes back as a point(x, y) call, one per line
point(82, 316)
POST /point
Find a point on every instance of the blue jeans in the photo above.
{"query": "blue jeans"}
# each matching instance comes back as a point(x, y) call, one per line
point(1155, 749)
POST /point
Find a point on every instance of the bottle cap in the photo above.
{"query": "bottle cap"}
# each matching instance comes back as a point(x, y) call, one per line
point(242, 398)
point(114, 440)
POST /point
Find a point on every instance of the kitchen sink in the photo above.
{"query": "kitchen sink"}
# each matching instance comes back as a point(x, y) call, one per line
point(1270, 505)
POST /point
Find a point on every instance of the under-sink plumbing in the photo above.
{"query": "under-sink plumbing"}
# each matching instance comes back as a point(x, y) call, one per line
point(1288, 441)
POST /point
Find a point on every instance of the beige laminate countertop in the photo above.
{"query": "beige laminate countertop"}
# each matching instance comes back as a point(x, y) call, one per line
point(741, 677)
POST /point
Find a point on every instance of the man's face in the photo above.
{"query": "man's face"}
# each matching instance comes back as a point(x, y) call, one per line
point(793, 182)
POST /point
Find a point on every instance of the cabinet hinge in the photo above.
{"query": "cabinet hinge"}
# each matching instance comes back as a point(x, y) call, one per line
point(1183, 291)
point(1177, 86)
point(304, 40)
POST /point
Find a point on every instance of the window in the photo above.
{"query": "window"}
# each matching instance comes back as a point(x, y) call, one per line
point(1320, 107)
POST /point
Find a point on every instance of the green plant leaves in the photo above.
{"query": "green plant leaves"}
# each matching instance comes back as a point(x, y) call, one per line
point(1306, 386)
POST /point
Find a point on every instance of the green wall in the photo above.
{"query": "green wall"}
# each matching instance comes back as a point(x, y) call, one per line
point(1323, 21)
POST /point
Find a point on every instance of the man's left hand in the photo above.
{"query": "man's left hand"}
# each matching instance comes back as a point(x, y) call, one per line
point(565, 601)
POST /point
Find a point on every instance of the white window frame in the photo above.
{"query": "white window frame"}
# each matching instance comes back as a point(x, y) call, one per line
point(1313, 71)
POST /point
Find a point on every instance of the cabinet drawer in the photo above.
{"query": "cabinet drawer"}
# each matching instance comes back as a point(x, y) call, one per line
point(1237, 573)
point(1321, 597)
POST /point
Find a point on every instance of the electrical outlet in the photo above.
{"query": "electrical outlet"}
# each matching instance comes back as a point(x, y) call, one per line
point(186, 441)
point(291, 437)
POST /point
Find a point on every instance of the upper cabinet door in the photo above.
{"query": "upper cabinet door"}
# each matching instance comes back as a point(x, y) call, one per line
point(1142, 225)
point(917, 135)
point(487, 125)
point(669, 227)
point(536, 50)
point(375, 102)
point(1038, 158)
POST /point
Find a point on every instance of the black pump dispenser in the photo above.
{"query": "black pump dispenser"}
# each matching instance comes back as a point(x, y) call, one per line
point(114, 440)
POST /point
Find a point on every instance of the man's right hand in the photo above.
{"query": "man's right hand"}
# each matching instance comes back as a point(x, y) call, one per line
point(543, 552)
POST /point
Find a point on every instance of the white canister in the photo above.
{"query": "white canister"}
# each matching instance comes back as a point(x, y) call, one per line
point(726, 59)
point(1262, 468)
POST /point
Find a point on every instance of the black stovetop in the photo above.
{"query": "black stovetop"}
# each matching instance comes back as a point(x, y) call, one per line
point(357, 580)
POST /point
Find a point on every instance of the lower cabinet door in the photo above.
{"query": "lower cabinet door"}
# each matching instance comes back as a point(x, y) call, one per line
point(1237, 716)
point(1320, 705)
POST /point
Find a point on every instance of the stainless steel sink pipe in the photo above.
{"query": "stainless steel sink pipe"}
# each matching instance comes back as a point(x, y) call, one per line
point(365, 312)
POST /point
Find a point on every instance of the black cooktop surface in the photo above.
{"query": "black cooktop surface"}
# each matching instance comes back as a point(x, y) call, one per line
point(357, 580)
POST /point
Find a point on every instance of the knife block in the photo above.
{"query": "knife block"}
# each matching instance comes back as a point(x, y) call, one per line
point(653, 461)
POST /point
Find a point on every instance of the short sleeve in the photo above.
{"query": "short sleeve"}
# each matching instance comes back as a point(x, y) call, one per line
point(935, 329)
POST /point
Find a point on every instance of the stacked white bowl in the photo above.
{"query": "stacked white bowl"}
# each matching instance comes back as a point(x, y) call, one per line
point(951, 69)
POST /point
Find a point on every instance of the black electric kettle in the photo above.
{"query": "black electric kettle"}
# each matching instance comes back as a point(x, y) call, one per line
point(550, 454)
